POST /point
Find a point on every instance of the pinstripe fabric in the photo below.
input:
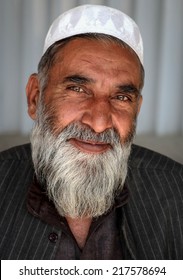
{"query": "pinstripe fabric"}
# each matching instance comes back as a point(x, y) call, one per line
point(22, 236)
point(152, 221)
point(154, 215)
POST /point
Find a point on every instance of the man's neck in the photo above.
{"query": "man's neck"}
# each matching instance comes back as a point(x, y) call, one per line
point(80, 228)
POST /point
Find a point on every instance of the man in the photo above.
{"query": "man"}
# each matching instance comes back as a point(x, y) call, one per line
point(83, 191)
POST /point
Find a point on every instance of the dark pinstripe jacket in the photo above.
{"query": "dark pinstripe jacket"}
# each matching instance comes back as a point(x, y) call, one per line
point(151, 224)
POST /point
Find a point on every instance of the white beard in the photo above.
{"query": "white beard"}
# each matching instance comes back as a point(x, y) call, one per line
point(79, 184)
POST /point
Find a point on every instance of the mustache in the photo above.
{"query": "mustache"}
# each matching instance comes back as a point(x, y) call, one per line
point(85, 133)
point(80, 131)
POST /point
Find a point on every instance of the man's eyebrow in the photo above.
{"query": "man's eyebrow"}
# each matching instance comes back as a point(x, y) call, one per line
point(128, 88)
point(78, 79)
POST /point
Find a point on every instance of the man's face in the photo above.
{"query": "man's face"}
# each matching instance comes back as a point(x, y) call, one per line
point(95, 84)
point(89, 106)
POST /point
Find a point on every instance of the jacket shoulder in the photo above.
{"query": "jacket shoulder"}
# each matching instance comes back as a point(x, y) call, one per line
point(22, 152)
point(16, 168)
point(147, 159)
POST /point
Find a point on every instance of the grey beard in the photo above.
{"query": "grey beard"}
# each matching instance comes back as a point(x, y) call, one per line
point(79, 184)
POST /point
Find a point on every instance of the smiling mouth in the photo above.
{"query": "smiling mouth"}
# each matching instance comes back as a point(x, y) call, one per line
point(90, 147)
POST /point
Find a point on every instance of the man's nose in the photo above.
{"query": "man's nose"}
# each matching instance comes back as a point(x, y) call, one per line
point(98, 116)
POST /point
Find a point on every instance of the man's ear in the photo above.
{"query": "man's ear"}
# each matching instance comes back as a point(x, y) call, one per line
point(32, 92)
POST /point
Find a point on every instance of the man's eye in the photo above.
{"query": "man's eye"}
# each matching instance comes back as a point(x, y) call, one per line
point(76, 88)
point(123, 98)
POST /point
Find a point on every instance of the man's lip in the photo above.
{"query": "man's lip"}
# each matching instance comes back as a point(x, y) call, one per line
point(88, 146)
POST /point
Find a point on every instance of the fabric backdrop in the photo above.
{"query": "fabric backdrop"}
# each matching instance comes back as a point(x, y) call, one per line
point(24, 24)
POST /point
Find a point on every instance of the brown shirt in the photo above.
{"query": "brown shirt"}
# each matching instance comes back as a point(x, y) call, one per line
point(103, 240)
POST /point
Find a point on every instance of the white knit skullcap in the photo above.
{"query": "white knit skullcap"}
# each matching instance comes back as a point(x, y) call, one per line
point(96, 19)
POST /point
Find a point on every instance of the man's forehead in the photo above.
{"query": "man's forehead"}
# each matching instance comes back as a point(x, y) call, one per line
point(104, 48)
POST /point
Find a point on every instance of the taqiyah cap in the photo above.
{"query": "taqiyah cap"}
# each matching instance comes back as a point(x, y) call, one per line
point(96, 19)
